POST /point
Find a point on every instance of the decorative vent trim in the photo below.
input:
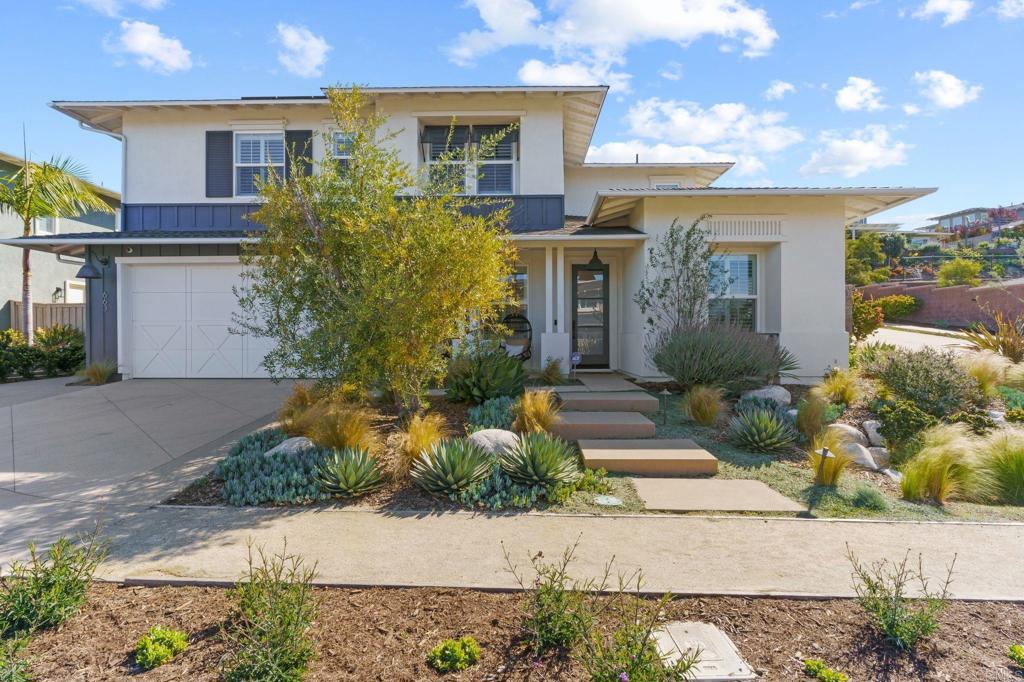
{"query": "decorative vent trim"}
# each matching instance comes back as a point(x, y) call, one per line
point(744, 226)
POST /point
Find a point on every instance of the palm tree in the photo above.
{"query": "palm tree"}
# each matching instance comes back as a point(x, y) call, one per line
point(53, 189)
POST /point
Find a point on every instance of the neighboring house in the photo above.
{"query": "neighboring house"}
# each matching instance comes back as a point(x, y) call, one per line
point(916, 238)
point(162, 303)
point(979, 221)
point(53, 276)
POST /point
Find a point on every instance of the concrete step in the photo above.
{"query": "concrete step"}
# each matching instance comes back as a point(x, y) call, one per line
point(609, 401)
point(712, 494)
point(677, 457)
point(577, 425)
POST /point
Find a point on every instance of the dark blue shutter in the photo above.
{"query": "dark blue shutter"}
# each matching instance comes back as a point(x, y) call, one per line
point(219, 163)
point(298, 145)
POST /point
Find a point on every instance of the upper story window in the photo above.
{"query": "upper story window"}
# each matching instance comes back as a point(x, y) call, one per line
point(341, 149)
point(446, 150)
point(738, 305)
point(255, 155)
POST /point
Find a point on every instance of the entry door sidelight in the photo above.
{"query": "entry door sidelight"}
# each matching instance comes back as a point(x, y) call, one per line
point(590, 314)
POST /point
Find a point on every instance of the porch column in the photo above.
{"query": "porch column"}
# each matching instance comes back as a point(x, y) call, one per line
point(555, 340)
point(549, 311)
point(563, 328)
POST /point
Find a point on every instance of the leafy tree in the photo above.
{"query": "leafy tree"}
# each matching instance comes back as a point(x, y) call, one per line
point(894, 245)
point(368, 272)
point(53, 189)
point(864, 259)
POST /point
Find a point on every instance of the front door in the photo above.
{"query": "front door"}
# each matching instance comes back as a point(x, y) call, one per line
point(590, 314)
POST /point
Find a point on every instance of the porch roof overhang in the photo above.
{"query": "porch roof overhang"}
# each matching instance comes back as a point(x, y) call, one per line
point(74, 244)
point(704, 172)
point(860, 202)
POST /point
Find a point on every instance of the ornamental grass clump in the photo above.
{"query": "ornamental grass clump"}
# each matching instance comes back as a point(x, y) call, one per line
point(99, 372)
point(839, 387)
point(340, 425)
point(988, 368)
point(419, 435)
point(811, 416)
point(552, 374)
point(295, 415)
point(540, 460)
point(703, 404)
point(159, 646)
point(1001, 461)
point(827, 470)
point(945, 468)
point(451, 467)
point(535, 412)
point(762, 430)
point(1007, 339)
point(351, 472)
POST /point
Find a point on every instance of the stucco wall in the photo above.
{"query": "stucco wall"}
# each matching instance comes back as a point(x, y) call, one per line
point(582, 182)
point(166, 148)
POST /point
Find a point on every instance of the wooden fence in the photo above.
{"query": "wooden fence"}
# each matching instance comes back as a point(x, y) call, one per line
point(49, 314)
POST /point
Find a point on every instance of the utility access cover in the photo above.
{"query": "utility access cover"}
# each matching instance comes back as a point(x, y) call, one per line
point(719, 659)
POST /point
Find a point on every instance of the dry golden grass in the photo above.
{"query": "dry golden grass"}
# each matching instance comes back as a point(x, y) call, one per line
point(99, 372)
point(810, 416)
point(988, 368)
point(535, 412)
point(340, 425)
point(829, 472)
point(946, 468)
point(840, 386)
point(419, 435)
point(297, 413)
point(703, 404)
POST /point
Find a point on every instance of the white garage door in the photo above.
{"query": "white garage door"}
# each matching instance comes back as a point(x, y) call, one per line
point(178, 319)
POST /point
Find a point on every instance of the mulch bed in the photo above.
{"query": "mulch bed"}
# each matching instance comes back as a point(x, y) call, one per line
point(385, 634)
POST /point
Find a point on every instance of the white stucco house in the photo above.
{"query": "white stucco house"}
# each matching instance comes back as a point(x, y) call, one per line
point(161, 300)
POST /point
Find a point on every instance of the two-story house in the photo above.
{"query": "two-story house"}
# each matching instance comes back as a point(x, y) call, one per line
point(161, 299)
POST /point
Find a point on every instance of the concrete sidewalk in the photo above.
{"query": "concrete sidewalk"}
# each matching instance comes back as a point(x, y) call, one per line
point(686, 555)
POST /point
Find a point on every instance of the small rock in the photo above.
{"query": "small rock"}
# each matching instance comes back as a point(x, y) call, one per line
point(791, 413)
point(893, 474)
point(292, 446)
point(494, 441)
point(881, 456)
point(775, 393)
point(872, 428)
point(850, 434)
point(997, 416)
point(860, 455)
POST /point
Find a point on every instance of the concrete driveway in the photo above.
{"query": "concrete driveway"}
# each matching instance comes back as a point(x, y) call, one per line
point(71, 456)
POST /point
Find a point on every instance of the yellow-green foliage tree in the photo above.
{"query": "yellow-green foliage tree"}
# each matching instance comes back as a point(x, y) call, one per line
point(960, 271)
point(368, 270)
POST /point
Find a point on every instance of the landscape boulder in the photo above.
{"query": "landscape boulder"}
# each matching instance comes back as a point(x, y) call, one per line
point(494, 441)
point(777, 394)
point(881, 456)
point(860, 455)
point(850, 434)
point(291, 446)
point(872, 428)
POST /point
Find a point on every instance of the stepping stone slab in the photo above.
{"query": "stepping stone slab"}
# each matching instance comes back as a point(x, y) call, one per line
point(605, 382)
point(719, 660)
point(678, 457)
point(733, 495)
point(609, 401)
point(577, 425)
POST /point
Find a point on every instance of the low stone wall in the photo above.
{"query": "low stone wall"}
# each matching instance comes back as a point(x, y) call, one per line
point(959, 306)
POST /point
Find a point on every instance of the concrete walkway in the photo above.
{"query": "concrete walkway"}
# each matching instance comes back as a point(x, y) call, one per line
point(913, 339)
point(741, 555)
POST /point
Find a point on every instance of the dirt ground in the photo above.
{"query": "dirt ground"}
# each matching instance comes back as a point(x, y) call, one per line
point(385, 634)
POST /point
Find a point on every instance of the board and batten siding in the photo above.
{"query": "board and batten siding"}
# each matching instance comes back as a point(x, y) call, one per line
point(101, 294)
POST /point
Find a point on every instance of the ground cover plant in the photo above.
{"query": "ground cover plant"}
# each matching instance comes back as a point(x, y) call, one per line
point(159, 646)
point(493, 413)
point(817, 669)
point(454, 655)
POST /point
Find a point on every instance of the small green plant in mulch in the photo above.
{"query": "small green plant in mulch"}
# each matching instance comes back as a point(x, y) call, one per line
point(869, 497)
point(882, 591)
point(50, 587)
point(453, 655)
point(159, 646)
point(817, 669)
point(13, 668)
point(1016, 654)
point(268, 634)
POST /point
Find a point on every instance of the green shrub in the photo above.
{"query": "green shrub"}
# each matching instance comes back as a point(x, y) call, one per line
point(1013, 398)
point(453, 655)
point(932, 380)
point(62, 349)
point(351, 472)
point(978, 421)
point(541, 460)
point(897, 306)
point(10, 338)
point(866, 317)
point(1016, 654)
point(869, 497)
point(959, 271)
point(484, 371)
point(1001, 460)
point(722, 355)
point(25, 360)
point(159, 646)
point(49, 588)
point(451, 467)
point(882, 591)
point(13, 668)
point(268, 634)
point(761, 430)
point(816, 668)
point(493, 413)
point(1015, 415)
point(902, 422)
point(252, 477)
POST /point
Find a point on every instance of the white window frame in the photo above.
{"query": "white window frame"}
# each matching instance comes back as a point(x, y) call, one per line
point(524, 303)
point(236, 164)
point(471, 171)
point(333, 151)
point(756, 296)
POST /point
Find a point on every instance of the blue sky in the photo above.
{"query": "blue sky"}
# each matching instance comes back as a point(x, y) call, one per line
point(820, 93)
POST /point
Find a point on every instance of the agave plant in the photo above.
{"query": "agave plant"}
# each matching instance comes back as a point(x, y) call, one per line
point(350, 473)
point(488, 372)
point(761, 430)
point(450, 467)
point(539, 459)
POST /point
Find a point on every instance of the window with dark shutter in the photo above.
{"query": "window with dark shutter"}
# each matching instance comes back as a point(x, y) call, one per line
point(299, 146)
point(219, 167)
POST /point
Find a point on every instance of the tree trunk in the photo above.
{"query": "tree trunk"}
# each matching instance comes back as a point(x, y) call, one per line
point(26, 289)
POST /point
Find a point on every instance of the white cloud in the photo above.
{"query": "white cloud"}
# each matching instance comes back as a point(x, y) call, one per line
point(630, 150)
point(911, 109)
point(302, 53)
point(673, 71)
point(870, 148)
point(778, 90)
point(952, 11)
point(861, 4)
point(945, 90)
point(598, 33)
point(536, 72)
point(1010, 9)
point(859, 94)
point(113, 8)
point(150, 48)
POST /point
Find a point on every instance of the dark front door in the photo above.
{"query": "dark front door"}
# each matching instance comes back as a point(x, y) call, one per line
point(590, 314)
